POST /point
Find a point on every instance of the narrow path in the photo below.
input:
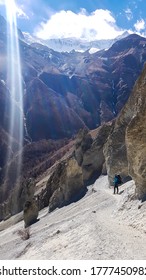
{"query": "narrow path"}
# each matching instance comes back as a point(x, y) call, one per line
point(87, 229)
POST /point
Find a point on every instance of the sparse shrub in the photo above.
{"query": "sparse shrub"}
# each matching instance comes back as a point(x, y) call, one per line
point(24, 234)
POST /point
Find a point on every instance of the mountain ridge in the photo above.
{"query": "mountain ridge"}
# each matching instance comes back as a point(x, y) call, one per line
point(74, 44)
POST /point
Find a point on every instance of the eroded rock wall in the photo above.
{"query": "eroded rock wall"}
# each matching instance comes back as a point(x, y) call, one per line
point(125, 149)
point(136, 138)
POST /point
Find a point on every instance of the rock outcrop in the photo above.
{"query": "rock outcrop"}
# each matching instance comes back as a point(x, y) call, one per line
point(30, 212)
point(37, 158)
point(69, 179)
point(89, 152)
point(30, 208)
point(65, 184)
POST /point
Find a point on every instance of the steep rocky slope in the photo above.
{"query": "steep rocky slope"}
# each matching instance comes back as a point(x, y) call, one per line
point(89, 88)
point(117, 147)
point(95, 86)
point(39, 160)
point(125, 148)
point(64, 92)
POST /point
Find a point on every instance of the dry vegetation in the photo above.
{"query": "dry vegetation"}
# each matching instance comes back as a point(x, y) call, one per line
point(24, 234)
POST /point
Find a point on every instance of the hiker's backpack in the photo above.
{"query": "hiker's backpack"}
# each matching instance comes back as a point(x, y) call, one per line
point(119, 179)
point(116, 179)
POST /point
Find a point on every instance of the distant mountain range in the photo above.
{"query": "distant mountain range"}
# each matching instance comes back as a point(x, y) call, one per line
point(66, 91)
point(74, 44)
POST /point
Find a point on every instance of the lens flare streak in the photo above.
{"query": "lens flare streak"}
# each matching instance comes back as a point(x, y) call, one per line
point(14, 81)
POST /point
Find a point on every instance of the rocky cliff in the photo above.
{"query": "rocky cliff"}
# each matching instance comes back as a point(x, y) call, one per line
point(125, 148)
point(117, 147)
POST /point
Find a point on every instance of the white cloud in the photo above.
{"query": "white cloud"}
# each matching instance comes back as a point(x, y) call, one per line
point(98, 25)
point(139, 25)
point(129, 14)
point(20, 13)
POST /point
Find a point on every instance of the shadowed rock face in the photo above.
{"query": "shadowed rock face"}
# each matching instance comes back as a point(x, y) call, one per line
point(94, 87)
point(115, 152)
point(37, 158)
point(30, 212)
point(5, 117)
point(125, 150)
point(87, 89)
point(136, 135)
point(89, 152)
point(47, 114)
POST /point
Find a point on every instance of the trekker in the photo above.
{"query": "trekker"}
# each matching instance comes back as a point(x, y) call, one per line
point(117, 182)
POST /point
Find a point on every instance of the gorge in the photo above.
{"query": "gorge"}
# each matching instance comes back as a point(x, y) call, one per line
point(63, 93)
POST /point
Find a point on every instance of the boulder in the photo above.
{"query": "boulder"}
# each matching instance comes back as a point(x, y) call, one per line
point(30, 212)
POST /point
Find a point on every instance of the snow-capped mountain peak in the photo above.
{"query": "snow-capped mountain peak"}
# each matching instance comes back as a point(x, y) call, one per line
point(79, 45)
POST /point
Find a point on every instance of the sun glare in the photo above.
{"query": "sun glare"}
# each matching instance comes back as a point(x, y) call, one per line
point(14, 82)
point(11, 8)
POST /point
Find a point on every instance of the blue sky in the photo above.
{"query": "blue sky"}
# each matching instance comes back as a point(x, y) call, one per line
point(86, 19)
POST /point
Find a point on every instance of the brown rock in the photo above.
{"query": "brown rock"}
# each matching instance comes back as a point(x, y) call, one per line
point(125, 150)
point(89, 153)
point(65, 184)
point(136, 138)
point(82, 143)
point(115, 150)
point(30, 212)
